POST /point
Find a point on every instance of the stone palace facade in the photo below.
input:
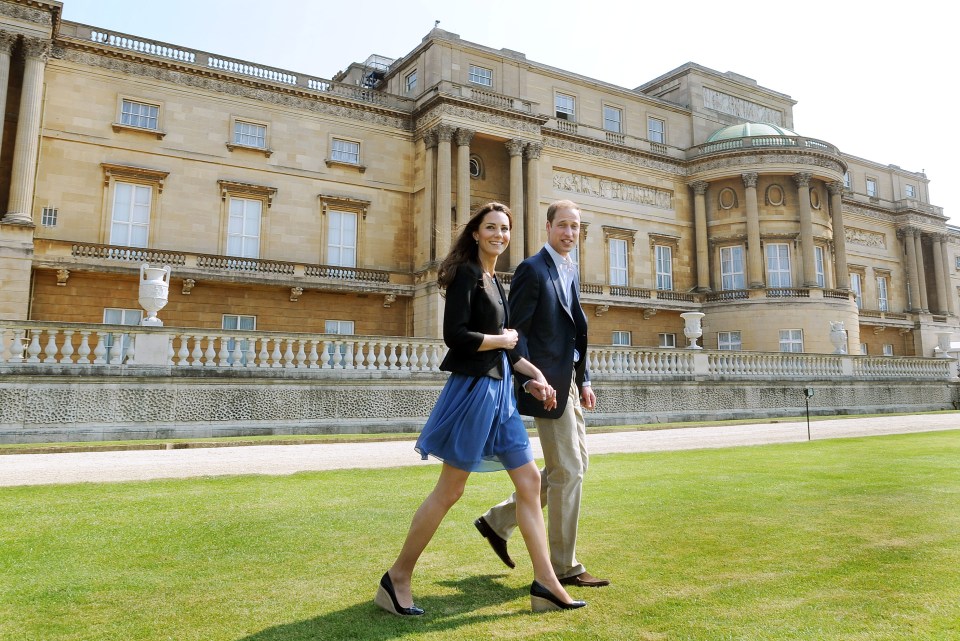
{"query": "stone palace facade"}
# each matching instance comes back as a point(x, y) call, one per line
point(291, 203)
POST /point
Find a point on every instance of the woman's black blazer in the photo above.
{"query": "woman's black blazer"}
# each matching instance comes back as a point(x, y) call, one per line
point(473, 309)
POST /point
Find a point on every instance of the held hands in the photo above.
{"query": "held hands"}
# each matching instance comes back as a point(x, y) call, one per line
point(542, 390)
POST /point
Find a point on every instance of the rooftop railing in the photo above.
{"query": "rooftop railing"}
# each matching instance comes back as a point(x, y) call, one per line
point(761, 142)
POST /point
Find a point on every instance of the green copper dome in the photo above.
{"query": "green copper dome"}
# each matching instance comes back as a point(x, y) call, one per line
point(747, 129)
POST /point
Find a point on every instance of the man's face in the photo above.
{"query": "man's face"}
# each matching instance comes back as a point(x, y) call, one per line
point(564, 232)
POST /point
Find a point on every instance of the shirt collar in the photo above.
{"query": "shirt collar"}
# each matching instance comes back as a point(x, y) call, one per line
point(557, 258)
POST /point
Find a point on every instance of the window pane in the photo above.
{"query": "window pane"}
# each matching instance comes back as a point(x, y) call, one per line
point(618, 261)
point(243, 228)
point(130, 219)
point(612, 119)
point(778, 265)
point(342, 238)
point(664, 258)
point(250, 134)
point(345, 151)
point(655, 130)
point(481, 76)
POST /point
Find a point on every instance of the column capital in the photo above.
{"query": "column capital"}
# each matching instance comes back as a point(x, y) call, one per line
point(802, 179)
point(444, 132)
point(749, 179)
point(907, 232)
point(37, 48)
point(699, 187)
point(430, 139)
point(464, 136)
point(514, 146)
point(533, 150)
point(7, 40)
point(835, 187)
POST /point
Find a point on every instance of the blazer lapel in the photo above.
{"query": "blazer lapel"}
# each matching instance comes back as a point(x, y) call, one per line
point(554, 273)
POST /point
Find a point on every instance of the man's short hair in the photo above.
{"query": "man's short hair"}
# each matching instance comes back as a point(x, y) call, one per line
point(560, 204)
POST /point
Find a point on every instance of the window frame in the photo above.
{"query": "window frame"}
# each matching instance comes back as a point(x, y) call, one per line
point(410, 81)
point(113, 174)
point(910, 191)
point(233, 144)
point(118, 125)
point(230, 190)
point(243, 234)
point(478, 78)
point(328, 355)
point(664, 279)
point(776, 272)
point(727, 342)
point(733, 274)
point(666, 337)
point(872, 187)
point(819, 261)
point(618, 336)
point(795, 338)
point(653, 134)
point(341, 204)
point(569, 114)
point(857, 277)
point(619, 121)
point(124, 338)
point(618, 272)
point(339, 162)
point(883, 292)
point(232, 342)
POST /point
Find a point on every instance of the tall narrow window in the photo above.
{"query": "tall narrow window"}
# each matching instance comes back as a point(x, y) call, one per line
point(664, 257)
point(791, 340)
point(910, 191)
point(342, 238)
point(731, 268)
point(130, 223)
point(139, 114)
point(243, 228)
point(481, 76)
point(846, 179)
point(778, 265)
point(618, 261)
point(882, 304)
point(856, 284)
point(656, 130)
point(113, 316)
point(410, 82)
point(729, 341)
point(566, 107)
point(872, 187)
point(818, 258)
point(613, 119)
point(231, 321)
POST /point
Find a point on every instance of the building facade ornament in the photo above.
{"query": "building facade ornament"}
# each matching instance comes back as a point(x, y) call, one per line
point(295, 294)
point(62, 276)
point(430, 139)
point(608, 189)
point(28, 14)
point(699, 187)
point(601, 150)
point(734, 160)
point(865, 238)
point(515, 146)
point(7, 40)
point(188, 285)
point(465, 136)
point(533, 150)
point(802, 179)
point(749, 179)
point(444, 132)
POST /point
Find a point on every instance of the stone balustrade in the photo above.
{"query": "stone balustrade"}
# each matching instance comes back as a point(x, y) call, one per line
point(761, 142)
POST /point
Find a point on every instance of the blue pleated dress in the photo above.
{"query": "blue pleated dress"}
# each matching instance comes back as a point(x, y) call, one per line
point(475, 425)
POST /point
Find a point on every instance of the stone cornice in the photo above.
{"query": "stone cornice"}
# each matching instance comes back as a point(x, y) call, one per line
point(476, 114)
point(41, 13)
point(756, 161)
point(599, 149)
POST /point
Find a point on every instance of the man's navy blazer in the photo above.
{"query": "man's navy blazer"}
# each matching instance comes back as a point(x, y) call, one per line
point(549, 331)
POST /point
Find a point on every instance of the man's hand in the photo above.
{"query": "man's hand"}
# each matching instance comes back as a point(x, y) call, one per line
point(587, 398)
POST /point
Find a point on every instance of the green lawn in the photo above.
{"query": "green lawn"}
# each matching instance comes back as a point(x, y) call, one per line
point(855, 539)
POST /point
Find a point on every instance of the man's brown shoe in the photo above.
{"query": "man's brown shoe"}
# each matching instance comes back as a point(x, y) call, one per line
point(584, 580)
point(498, 544)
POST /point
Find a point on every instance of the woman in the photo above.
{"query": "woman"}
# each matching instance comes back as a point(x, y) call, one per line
point(475, 425)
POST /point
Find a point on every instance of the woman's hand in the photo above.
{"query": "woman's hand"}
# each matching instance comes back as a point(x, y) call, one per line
point(543, 391)
point(509, 338)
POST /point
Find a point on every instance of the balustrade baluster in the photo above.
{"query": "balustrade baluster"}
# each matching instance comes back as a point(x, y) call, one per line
point(288, 353)
point(209, 354)
point(381, 356)
point(403, 357)
point(275, 354)
point(349, 346)
point(263, 357)
point(184, 352)
point(392, 351)
point(83, 352)
point(197, 352)
point(301, 355)
point(116, 348)
point(327, 354)
point(314, 356)
point(237, 356)
point(66, 352)
point(223, 355)
point(100, 349)
point(359, 357)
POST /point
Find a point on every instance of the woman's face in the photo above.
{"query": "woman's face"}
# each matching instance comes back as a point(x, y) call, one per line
point(493, 235)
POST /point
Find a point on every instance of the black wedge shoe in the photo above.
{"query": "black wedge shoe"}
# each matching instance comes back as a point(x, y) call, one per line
point(543, 600)
point(387, 599)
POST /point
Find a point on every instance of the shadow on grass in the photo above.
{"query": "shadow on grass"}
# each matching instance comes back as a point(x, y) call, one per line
point(367, 622)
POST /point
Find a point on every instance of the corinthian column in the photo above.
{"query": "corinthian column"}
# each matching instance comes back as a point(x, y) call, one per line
point(806, 230)
point(444, 178)
point(839, 235)
point(754, 252)
point(700, 228)
point(949, 306)
point(515, 149)
point(23, 175)
point(425, 229)
point(464, 136)
point(907, 233)
point(921, 271)
point(7, 41)
point(938, 272)
point(533, 223)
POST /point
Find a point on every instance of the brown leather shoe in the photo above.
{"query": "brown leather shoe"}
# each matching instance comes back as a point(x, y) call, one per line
point(498, 544)
point(584, 580)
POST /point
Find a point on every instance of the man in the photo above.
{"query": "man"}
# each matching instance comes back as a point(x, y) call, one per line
point(545, 310)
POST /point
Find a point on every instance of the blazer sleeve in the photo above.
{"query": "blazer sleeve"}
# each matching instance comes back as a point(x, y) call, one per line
point(457, 311)
point(524, 293)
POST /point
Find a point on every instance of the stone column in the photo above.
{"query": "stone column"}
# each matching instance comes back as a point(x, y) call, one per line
point(444, 188)
point(700, 228)
point(464, 136)
point(7, 40)
point(938, 273)
point(906, 234)
point(533, 224)
point(24, 173)
point(921, 272)
point(839, 236)
point(515, 149)
point(755, 277)
point(428, 217)
point(806, 230)
point(949, 306)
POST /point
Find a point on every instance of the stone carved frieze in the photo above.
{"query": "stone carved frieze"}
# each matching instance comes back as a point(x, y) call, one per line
point(864, 238)
point(745, 109)
point(29, 14)
point(476, 115)
point(733, 161)
point(235, 88)
point(612, 189)
point(625, 157)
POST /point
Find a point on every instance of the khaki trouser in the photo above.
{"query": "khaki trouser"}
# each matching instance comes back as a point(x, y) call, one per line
point(561, 481)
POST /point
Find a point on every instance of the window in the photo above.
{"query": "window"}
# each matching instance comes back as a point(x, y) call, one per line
point(863, 349)
point(618, 261)
point(882, 303)
point(566, 107)
point(910, 191)
point(731, 268)
point(112, 316)
point(613, 119)
point(481, 76)
point(139, 114)
point(888, 350)
point(249, 134)
point(476, 167)
point(334, 357)
point(872, 187)
point(130, 222)
point(856, 284)
point(791, 340)
point(667, 340)
point(656, 130)
point(664, 257)
point(345, 151)
point(818, 259)
point(729, 341)
point(48, 217)
point(243, 228)
point(410, 82)
point(621, 338)
point(342, 238)
point(846, 180)
point(231, 321)
point(778, 265)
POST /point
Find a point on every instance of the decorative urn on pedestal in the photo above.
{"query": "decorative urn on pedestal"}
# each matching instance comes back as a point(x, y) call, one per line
point(838, 336)
point(692, 330)
point(154, 292)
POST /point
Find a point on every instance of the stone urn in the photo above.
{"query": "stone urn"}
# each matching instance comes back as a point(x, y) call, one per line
point(942, 349)
point(838, 337)
point(154, 290)
point(692, 329)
